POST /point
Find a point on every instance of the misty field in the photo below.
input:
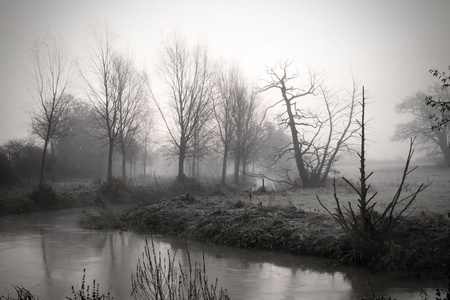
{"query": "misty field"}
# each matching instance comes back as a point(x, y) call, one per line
point(435, 200)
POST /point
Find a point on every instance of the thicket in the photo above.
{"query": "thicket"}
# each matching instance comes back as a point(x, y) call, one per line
point(115, 190)
point(45, 196)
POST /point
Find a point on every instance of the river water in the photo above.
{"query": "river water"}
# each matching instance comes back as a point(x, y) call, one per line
point(46, 252)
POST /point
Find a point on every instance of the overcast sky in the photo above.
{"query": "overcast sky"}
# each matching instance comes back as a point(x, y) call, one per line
point(388, 45)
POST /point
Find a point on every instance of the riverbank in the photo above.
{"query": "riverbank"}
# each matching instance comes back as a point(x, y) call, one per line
point(17, 199)
point(418, 245)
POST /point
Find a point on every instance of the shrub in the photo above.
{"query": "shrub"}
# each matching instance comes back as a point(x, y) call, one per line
point(115, 191)
point(101, 218)
point(187, 186)
point(45, 196)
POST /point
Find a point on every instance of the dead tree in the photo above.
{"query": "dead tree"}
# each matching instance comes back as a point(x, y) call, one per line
point(316, 137)
point(363, 226)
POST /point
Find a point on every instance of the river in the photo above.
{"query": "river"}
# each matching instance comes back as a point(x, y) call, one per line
point(46, 252)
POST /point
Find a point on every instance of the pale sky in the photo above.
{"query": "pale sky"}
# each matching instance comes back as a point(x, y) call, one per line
point(388, 45)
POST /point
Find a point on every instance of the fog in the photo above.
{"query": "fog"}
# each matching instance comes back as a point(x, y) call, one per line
point(389, 47)
point(246, 98)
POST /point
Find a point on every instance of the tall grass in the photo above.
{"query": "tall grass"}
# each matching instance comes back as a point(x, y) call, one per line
point(22, 294)
point(159, 278)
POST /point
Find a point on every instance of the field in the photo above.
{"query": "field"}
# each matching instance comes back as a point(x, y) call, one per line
point(435, 200)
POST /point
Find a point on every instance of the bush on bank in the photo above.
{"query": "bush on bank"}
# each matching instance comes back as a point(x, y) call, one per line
point(115, 190)
point(45, 196)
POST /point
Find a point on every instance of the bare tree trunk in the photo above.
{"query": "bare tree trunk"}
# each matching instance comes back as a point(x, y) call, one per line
point(181, 159)
point(144, 170)
point(44, 155)
point(124, 168)
point(131, 168)
point(244, 168)
point(110, 160)
point(303, 173)
point(224, 164)
point(237, 164)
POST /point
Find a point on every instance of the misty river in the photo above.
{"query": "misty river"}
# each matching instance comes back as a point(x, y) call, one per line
point(46, 252)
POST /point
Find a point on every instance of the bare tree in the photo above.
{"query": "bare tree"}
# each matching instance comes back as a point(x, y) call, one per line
point(317, 136)
point(129, 86)
point(227, 83)
point(49, 82)
point(187, 76)
point(145, 141)
point(100, 82)
point(248, 130)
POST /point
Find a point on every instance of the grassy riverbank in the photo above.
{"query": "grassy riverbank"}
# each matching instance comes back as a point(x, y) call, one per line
point(418, 245)
point(18, 198)
point(289, 221)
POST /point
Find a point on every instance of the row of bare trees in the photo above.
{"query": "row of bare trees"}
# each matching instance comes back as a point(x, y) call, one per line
point(207, 103)
point(205, 106)
point(116, 91)
point(113, 85)
point(238, 119)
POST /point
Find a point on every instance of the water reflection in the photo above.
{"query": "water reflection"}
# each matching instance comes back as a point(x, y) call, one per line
point(48, 252)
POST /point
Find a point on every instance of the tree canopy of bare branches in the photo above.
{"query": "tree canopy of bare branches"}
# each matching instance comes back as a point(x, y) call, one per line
point(99, 79)
point(129, 86)
point(116, 91)
point(248, 128)
point(49, 82)
point(186, 73)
